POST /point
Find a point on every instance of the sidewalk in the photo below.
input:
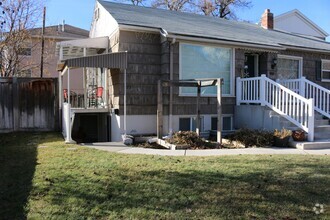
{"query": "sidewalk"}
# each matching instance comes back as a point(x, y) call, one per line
point(119, 147)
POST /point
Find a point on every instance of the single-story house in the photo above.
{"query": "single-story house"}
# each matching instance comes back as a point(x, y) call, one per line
point(271, 78)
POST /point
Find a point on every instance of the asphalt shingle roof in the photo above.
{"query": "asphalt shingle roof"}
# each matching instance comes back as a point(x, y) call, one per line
point(201, 26)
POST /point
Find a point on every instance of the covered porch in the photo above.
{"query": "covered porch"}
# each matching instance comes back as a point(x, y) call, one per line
point(93, 100)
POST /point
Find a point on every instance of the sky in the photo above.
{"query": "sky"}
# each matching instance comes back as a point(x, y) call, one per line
point(79, 12)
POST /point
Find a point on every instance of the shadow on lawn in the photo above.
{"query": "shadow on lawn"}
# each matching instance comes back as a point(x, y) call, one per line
point(254, 194)
point(18, 156)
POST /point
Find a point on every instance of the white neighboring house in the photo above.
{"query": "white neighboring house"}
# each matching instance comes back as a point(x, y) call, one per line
point(296, 22)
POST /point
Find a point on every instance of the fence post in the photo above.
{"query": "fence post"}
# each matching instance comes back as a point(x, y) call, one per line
point(238, 91)
point(262, 89)
point(302, 88)
point(15, 98)
point(310, 119)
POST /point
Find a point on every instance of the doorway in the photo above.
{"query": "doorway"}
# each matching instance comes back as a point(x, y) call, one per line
point(251, 65)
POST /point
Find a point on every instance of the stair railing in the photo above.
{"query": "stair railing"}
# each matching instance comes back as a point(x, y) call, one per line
point(309, 89)
point(266, 92)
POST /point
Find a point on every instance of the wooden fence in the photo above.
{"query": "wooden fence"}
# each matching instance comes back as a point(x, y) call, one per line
point(28, 104)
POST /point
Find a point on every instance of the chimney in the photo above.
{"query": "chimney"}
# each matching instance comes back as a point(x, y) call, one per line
point(267, 20)
point(63, 25)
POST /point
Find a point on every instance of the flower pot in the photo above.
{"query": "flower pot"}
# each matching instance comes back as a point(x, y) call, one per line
point(298, 135)
point(281, 142)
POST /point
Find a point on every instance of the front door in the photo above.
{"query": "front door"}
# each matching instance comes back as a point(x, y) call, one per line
point(251, 65)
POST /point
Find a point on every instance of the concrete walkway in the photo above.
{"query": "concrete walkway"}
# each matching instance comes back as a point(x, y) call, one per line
point(119, 147)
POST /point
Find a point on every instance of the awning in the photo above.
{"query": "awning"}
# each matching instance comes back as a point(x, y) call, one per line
point(109, 60)
point(76, 48)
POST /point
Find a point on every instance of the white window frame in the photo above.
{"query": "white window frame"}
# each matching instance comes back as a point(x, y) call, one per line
point(326, 70)
point(232, 67)
point(300, 59)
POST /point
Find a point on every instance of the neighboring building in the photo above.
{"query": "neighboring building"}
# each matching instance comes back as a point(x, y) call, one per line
point(31, 55)
point(296, 22)
point(169, 45)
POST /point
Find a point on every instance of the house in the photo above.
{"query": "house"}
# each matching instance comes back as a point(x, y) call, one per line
point(31, 54)
point(296, 22)
point(271, 78)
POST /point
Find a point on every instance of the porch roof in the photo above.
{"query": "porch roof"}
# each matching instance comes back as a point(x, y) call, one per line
point(75, 48)
point(109, 60)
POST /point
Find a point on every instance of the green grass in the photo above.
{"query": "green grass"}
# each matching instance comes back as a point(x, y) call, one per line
point(53, 181)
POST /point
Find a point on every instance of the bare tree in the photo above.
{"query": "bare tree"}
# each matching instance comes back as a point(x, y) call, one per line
point(173, 5)
point(17, 17)
point(222, 8)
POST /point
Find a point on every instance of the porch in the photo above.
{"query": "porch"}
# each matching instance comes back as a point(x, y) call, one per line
point(292, 104)
point(93, 98)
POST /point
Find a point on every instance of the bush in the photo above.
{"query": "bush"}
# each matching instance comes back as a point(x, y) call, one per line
point(191, 139)
point(250, 138)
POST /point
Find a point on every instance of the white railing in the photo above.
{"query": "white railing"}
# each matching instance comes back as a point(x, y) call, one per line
point(309, 90)
point(290, 105)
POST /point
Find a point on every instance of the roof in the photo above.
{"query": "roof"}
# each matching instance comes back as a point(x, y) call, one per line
point(300, 15)
point(57, 31)
point(200, 26)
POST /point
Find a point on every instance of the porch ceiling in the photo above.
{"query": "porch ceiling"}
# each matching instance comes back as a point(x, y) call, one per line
point(75, 48)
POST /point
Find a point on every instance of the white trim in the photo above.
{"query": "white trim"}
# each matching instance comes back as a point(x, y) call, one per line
point(229, 43)
point(232, 70)
point(326, 70)
point(300, 59)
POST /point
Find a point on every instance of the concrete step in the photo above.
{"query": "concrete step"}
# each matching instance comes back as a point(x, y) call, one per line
point(316, 145)
point(321, 122)
point(321, 135)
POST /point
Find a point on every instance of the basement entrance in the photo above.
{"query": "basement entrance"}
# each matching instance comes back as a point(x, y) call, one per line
point(91, 127)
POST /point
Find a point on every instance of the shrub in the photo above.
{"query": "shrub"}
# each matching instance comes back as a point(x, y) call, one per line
point(186, 138)
point(250, 138)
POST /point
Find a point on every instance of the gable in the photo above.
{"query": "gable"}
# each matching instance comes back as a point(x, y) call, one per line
point(296, 22)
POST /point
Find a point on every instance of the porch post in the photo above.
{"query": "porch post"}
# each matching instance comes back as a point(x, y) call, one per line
point(160, 110)
point(238, 90)
point(198, 122)
point(262, 89)
point(68, 121)
point(302, 86)
point(219, 111)
point(125, 102)
point(311, 119)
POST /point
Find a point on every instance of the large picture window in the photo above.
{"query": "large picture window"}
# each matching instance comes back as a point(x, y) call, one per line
point(198, 61)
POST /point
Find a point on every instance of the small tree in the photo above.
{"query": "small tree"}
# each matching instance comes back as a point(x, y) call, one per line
point(17, 17)
point(222, 8)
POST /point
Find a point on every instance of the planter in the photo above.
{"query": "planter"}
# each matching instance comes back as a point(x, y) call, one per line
point(298, 135)
point(281, 142)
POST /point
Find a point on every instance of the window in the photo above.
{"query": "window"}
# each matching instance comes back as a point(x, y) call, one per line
point(25, 51)
point(289, 67)
point(198, 61)
point(325, 72)
point(189, 124)
point(227, 123)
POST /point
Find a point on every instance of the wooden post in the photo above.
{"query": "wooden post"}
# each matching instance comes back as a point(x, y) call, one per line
point(16, 114)
point(238, 91)
point(160, 110)
point(198, 121)
point(302, 86)
point(262, 90)
point(219, 111)
point(311, 117)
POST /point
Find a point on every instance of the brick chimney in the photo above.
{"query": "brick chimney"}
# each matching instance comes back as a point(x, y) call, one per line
point(267, 20)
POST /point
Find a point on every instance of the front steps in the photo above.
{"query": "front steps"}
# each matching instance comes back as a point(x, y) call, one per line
point(321, 135)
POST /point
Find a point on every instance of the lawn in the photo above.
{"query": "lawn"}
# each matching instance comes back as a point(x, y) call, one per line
point(42, 178)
